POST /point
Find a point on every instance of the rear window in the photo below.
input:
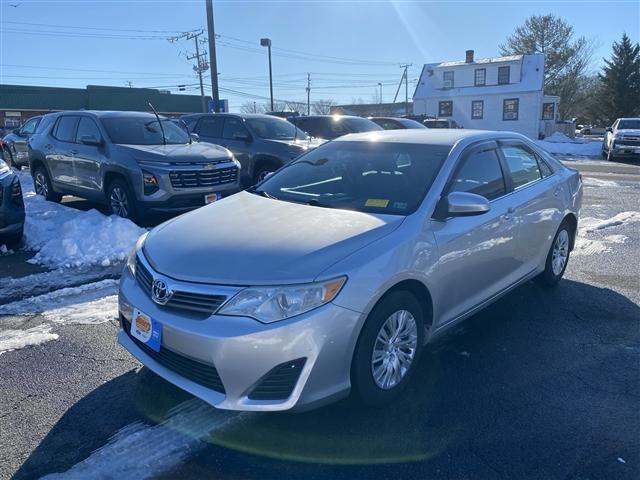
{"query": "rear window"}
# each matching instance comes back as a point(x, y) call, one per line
point(65, 130)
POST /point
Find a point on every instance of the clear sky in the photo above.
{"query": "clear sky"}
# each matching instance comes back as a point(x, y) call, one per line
point(348, 47)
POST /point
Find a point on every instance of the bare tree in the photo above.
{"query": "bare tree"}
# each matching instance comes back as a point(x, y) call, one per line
point(566, 58)
point(322, 106)
point(250, 107)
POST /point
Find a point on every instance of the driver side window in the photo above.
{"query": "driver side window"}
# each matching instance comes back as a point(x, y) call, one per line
point(480, 173)
point(233, 127)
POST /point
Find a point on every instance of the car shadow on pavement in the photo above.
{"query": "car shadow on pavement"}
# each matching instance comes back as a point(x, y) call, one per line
point(542, 383)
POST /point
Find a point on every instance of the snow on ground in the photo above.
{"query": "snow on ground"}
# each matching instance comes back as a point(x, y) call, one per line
point(66, 237)
point(590, 239)
point(165, 445)
point(87, 304)
point(596, 182)
point(15, 339)
point(558, 143)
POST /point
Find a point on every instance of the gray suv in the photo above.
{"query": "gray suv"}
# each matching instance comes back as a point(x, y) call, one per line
point(261, 143)
point(129, 161)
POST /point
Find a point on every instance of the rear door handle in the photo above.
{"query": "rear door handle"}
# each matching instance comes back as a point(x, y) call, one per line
point(73, 152)
point(557, 191)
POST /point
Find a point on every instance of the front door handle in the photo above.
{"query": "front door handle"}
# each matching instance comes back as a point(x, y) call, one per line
point(509, 214)
point(557, 191)
point(73, 152)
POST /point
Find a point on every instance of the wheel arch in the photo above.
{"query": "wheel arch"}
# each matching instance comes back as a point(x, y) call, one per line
point(264, 159)
point(572, 220)
point(110, 176)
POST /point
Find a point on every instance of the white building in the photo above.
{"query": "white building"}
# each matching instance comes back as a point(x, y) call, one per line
point(503, 93)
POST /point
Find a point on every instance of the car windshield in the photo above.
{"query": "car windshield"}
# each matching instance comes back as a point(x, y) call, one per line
point(275, 129)
point(373, 177)
point(408, 123)
point(357, 125)
point(629, 125)
point(143, 131)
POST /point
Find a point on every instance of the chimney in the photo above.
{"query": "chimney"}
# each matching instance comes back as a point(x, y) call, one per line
point(469, 56)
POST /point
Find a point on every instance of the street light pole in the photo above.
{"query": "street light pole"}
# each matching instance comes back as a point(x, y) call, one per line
point(266, 42)
point(380, 85)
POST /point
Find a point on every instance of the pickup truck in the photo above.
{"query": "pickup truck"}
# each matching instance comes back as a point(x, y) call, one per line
point(622, 139)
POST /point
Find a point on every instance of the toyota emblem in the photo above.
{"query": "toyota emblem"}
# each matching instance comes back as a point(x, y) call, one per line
point(160, 292)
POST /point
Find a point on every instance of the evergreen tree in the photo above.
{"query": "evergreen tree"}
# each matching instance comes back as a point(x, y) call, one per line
point(619, 94)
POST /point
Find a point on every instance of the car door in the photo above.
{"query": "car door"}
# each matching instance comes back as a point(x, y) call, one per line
point(236, 138)
point(60, 150)
point(89, 156)
point(537, 198)
point(20, 142)
point(476, 253)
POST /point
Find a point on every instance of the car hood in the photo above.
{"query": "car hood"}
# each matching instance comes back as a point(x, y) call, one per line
point(189, 152)
point(296, 144)
point(246, 239)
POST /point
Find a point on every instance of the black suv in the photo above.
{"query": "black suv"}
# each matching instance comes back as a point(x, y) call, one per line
point(333, 126)
point(11, 206)
point(129, 161)
point(261, 143)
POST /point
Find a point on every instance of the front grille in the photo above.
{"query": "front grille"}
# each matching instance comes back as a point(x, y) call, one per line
point(279, 382)
point(181, 299)
point(198, 372)
point(202, 178)
point(632, 142)
point(16, 192)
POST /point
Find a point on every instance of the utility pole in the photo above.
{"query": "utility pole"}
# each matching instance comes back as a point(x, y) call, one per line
point(201, 61)
point(380, 85)
point(308, 94)
point(406, 87)
point(212, 55)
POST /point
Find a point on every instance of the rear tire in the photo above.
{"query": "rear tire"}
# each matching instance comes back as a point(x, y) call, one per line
point(388, 350)
point(14, 240)
point(121, 201)
point(8, 158)
point(42, 185)
point(558, 256)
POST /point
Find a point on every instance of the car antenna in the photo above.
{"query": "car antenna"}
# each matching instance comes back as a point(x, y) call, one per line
point(164, 139)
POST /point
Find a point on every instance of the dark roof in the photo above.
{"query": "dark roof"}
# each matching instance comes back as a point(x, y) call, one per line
point(95, 97)
point(427, 136)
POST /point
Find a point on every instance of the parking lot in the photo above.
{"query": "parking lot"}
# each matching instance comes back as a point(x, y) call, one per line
point(542, 384)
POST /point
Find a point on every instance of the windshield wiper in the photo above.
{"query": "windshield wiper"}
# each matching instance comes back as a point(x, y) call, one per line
point(314, 202)
point(262, 193)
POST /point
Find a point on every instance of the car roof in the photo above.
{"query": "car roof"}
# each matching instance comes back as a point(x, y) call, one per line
point(240, 115)
point(630, 118)
point(109, 113)
point(335, 117)
point(442, 136)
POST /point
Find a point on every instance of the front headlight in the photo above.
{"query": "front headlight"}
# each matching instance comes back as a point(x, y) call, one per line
point(131, 259)
point(271, 304)
point(4, 168)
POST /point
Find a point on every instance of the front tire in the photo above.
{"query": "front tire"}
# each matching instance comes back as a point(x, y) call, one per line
point(42, 185)
point(121, 201)
point(263, 171)
point(14, 240)
point(558, 256)
point(8, 157)
point(388, 349)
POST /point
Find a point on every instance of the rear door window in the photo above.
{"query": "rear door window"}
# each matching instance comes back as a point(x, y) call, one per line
point(522, 164)
point(211, 127)
point(65, 129)
point(480, 173)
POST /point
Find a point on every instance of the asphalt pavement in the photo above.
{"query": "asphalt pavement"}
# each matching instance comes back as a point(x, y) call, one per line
point(542, 384)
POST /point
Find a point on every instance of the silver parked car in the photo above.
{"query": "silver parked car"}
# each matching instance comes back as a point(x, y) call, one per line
point(333, 273)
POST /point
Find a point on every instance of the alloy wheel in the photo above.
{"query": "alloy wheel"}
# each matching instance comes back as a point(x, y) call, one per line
point(119, 203)
point(41, 185)
point(560, 252)
point(394, 349)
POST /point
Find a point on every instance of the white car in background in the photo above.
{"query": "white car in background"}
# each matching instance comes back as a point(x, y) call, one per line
point(622, 139)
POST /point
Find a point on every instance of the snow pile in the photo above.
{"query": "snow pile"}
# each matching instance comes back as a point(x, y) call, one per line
point(5, 251)
point(15, 339)
point(559, 143)
point(596, 182)
point(66, 237)
point(586, 244)
point(87, 304)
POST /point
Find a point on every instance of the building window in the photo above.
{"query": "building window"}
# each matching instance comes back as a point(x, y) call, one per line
point(477, 109)
point(480, 77)
point(510, 109)
point(503, 75)
point(548, 111)
point(445, 109)
point(447, 79)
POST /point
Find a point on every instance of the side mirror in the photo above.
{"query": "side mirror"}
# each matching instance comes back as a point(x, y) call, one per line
point(244, 137)
point(194, 137)
point(16, 131)
point(609, 129)
point(461, 204)
point(90, 140)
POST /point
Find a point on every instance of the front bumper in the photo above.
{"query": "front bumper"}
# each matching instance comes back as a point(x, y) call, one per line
point(625, 150)
point(244, 351)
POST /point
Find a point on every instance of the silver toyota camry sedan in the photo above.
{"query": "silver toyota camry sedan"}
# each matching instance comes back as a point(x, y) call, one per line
point(332, 274)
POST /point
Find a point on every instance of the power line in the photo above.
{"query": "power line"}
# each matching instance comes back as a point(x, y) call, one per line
point(91, 28)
